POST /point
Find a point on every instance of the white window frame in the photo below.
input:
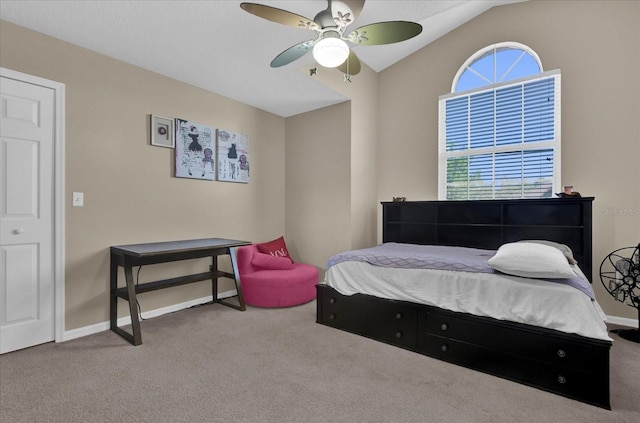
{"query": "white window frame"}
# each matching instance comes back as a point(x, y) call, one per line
point(493, 48)
point(554, 144)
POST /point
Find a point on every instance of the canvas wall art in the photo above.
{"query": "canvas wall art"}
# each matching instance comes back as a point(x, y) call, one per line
point(233, 157)
point(194, 150)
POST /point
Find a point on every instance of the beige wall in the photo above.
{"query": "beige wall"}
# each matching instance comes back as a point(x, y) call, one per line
point(596, 44)
point(130, 193)
point(318, 165)
point(335, 175)
point(331, 160)
point(363, 92)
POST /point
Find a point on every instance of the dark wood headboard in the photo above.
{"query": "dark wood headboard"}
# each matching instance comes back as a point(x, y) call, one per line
point(490, 223)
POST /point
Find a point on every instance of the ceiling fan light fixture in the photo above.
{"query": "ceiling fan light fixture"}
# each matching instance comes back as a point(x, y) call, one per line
point(329, 48)
point(330, 52)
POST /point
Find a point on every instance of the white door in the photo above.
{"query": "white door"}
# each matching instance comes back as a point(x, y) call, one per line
point(26, 214)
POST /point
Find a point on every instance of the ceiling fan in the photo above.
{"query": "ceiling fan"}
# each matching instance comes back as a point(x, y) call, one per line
point(329, 47)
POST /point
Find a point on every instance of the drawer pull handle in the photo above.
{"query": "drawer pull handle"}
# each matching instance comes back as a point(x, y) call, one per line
point(562, 380)
point(398, 316)
point(444, 348)
point(332, 301)
point(332, 316)
point(562, 354)
point(444, 326)
point(399, 334)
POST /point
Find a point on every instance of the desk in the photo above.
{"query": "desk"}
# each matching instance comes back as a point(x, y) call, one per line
point(129, 256)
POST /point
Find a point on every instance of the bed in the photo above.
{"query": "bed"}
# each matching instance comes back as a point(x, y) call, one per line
point(557, 357)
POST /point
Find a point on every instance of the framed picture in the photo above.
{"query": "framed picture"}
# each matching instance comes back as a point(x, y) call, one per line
point(162, 132)
point(233, 157)
point(194, 150)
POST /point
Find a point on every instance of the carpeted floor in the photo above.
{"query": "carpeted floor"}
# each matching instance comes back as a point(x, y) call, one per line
point(216, 364)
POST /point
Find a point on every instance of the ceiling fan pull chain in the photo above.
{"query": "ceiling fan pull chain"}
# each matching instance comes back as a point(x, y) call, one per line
point(347, 75)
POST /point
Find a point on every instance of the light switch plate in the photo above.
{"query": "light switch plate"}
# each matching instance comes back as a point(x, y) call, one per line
point(78, 199)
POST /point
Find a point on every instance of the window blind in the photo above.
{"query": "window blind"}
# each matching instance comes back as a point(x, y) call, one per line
point(501, 141)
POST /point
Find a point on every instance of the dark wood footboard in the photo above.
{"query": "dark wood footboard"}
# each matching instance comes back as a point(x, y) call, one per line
point(569, 365)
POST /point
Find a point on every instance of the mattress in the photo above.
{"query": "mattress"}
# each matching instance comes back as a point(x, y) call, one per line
point(533, 302)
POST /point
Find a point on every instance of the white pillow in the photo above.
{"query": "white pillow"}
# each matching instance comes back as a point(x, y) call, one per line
point(564, 248)
point(531, 260)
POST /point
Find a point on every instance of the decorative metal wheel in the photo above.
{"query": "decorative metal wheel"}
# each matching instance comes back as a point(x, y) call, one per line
point(620, 275)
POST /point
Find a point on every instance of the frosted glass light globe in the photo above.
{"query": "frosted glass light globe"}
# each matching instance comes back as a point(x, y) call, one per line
point(330, 52)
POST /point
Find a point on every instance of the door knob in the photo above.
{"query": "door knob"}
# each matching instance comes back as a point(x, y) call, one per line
point(18, 231)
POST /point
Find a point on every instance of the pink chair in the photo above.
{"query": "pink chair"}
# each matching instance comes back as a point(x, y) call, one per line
point(268, 281)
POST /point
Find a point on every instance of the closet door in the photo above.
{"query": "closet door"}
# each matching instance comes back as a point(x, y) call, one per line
point(27, 297)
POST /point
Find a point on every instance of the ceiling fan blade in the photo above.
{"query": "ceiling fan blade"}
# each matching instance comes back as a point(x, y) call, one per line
point(279, 16)
point(346, 11)
point(384, 33)
point(351, 66)
point(292, 53)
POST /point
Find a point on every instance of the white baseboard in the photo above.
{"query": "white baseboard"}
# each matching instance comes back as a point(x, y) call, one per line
point(122, 321)
point(100, 327)
point(622, 321)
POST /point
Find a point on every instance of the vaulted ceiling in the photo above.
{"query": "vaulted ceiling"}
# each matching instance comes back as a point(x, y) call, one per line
point(217, 46)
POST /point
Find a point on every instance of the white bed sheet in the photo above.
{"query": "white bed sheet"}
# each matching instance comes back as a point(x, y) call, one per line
point(530, 301)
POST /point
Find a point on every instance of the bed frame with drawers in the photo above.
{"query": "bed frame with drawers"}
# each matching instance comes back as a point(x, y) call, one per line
point(566, 364)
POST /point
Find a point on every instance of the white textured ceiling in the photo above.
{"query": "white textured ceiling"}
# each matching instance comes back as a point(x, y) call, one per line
point(217, 46)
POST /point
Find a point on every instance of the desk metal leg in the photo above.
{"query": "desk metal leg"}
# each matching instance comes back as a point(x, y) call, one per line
point(240, 296)
point(214, 281)
point(136, 338)
point(214, 278)
point(133, 305)
point(113, 298)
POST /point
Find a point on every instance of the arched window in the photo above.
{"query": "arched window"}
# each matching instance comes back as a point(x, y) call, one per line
point(497, 63)
point(499, 127)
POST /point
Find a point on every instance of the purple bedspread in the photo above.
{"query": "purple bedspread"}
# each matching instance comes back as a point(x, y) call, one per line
point(437, 257)
point(411, 256)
